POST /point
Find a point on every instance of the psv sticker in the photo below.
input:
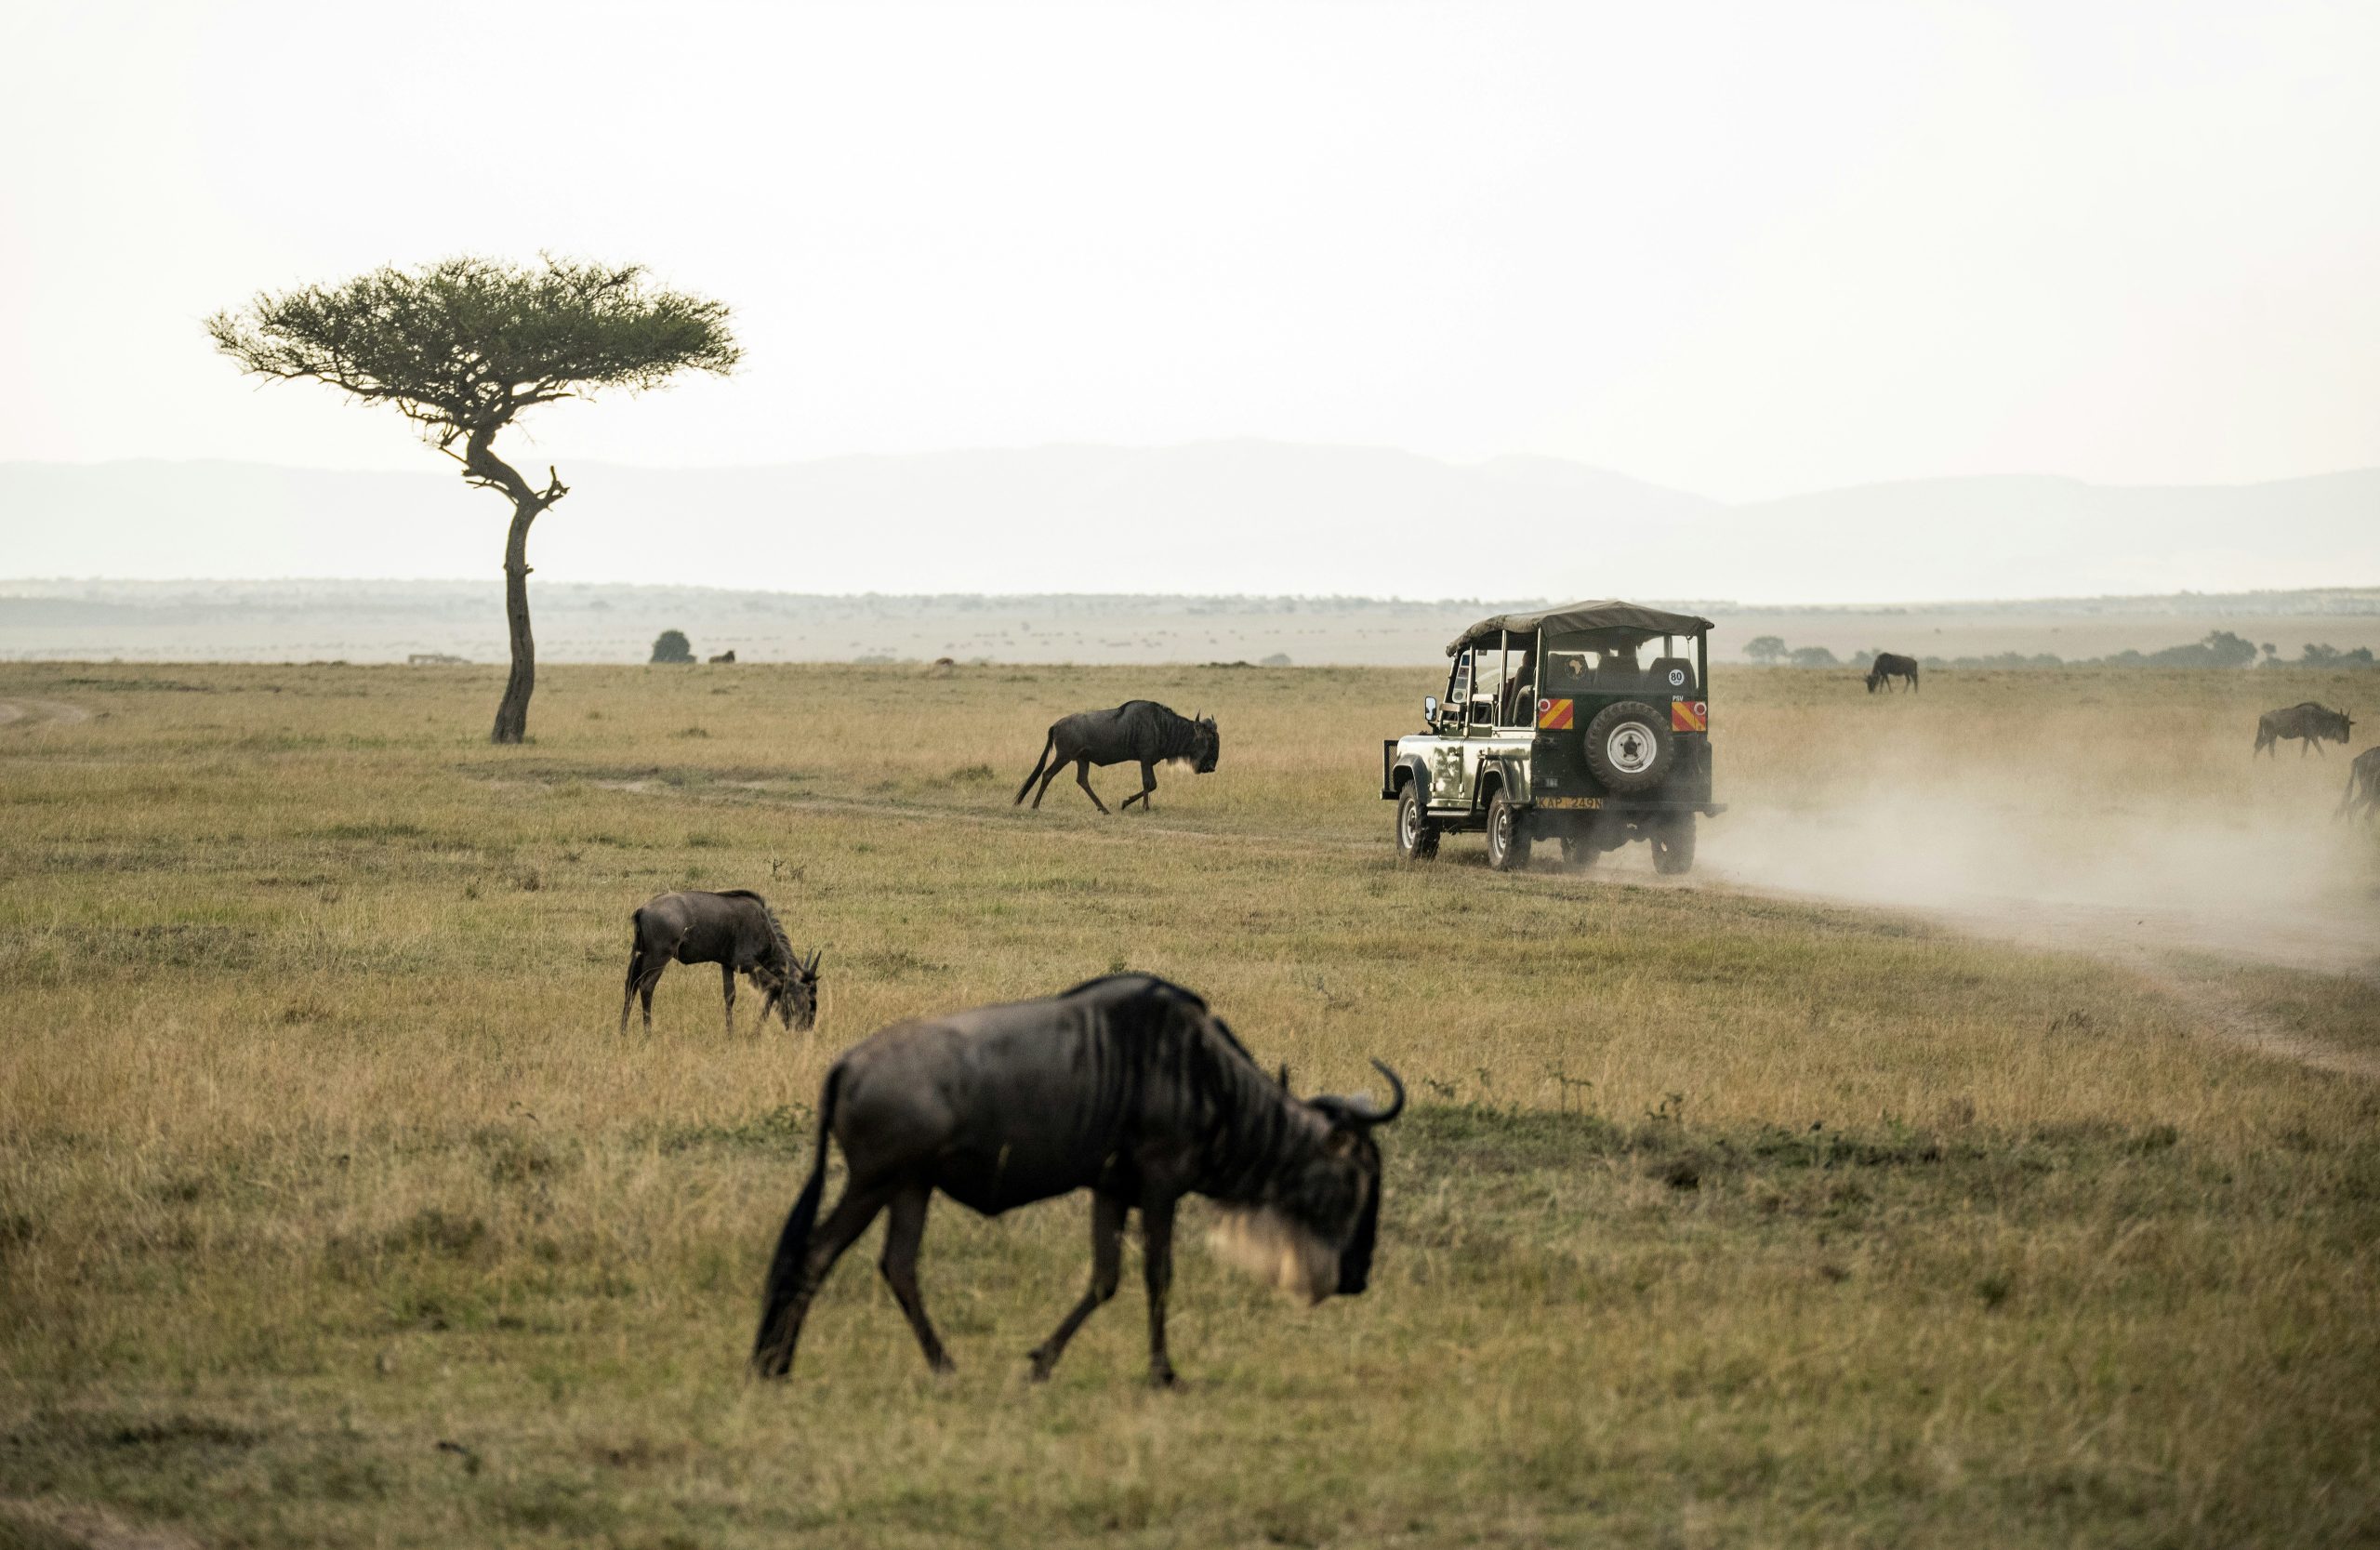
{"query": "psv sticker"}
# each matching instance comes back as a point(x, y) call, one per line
point(1553, 715)
point(1689, 715)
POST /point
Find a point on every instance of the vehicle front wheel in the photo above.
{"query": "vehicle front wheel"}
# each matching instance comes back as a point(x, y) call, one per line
point(1672, 840)
point(1417, 838)
point(1507, 839)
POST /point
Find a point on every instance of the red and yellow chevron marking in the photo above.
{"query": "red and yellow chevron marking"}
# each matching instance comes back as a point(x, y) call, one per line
point(1689, 715)
point(1553, 715)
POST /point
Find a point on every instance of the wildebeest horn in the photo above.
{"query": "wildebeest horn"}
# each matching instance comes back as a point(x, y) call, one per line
point(1285, 1076)
point(1359, 1110)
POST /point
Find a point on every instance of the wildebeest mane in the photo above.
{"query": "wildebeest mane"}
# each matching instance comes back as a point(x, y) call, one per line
point(1246, 1121)
point(776, 928)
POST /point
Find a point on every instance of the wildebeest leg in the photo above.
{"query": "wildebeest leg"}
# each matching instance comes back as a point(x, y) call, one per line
point(1048, 777)
point(1157, 1272)
point(904, 1231)
point(1082, 778)
point(651, 978)
point(1148, 784)
point(781, 1328)
point(1106, 1269)
point(727, 987)
point(627, 997)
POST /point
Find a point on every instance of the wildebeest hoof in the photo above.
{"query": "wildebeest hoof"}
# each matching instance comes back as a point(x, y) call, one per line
point(1042, 1365)
point(1162, 1377)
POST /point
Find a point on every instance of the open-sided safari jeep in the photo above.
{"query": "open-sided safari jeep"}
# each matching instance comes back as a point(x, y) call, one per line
point(1588, 724)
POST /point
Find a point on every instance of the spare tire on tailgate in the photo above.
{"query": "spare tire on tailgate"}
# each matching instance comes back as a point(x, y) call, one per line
point(1629, 747)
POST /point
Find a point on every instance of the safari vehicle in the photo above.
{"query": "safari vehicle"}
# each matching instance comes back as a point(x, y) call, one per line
point(1588, 724)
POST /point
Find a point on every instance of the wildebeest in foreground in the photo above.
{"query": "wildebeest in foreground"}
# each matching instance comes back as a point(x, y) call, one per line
point(1138, 729)
point(735, 930)
point(2308, 722)
point(1127, 1086)
point(2362, 786)
point(1891, 665)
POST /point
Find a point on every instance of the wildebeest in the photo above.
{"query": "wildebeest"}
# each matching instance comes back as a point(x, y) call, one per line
point(2362, 786)
point(1125, 1085)
point(2310, 723)
point(1891, 665)
point(735, 930)
point(723, 656)
point(1138, 729)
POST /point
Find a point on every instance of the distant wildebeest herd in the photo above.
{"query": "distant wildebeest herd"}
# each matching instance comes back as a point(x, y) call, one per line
point(2308, 722)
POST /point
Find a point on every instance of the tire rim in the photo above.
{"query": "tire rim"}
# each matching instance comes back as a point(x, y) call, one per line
point(1503, 832)
point(1410, 831)
point(1631, 747)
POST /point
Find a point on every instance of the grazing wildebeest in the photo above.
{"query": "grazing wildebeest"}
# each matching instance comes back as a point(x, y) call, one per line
point(1126, 1086)
point(2362, 786)
point(2308, 722)
point(723, 656)
point(735, 930)
point(1138, 729)
point(1891, 665)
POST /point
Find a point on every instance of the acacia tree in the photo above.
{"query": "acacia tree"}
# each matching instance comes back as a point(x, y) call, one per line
point(462, 348)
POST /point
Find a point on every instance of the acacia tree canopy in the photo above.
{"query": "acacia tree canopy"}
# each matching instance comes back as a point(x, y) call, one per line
point(467, 343)
point(461, 346)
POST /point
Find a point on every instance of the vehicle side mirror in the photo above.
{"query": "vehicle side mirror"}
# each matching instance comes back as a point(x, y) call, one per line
point(1429, 709)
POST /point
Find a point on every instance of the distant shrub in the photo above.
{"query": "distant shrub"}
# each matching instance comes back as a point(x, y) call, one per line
point(2220, 649)
point(1279, 659)
point(1766, 650)
point(1812, 657)
point(671, 645)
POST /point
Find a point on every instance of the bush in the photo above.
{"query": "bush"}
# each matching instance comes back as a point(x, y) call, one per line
point(671, 645)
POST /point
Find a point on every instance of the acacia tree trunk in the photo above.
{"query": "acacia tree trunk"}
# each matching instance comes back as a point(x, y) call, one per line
point(513, 710)
point(481, 466)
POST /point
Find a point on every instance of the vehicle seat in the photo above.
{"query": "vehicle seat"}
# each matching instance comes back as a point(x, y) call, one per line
point(1657, 677)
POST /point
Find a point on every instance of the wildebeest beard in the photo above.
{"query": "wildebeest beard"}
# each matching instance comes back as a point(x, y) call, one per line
point(1285, 1240)
point(1264, 1242)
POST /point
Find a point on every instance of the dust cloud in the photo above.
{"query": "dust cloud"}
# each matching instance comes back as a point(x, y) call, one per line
point(2061, 830)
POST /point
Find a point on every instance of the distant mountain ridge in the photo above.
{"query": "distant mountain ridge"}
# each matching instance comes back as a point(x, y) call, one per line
point(1207, 518)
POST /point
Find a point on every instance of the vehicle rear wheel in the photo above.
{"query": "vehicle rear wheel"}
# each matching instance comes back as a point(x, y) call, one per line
point(1672, 838)
point(1417, 838)
point(1507, 836)
point(1629, 747)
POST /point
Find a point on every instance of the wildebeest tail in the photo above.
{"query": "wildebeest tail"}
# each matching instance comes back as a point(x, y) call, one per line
point(772, 1345)
point(1047, 744)
point(635, 944)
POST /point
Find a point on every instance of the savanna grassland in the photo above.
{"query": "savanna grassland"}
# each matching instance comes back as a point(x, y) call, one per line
point(334, 1210)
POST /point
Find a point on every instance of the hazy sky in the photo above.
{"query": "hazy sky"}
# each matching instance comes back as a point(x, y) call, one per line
point(1746, 249)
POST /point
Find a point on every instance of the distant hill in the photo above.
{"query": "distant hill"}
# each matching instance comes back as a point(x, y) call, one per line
point(1209, 518)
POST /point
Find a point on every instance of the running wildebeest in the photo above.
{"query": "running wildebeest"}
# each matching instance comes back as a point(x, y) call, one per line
point(1126, 1086)
point(2362, 786)
point(1139, 730)
point(735, 930)
point(2310, 723)
point(1891, 665)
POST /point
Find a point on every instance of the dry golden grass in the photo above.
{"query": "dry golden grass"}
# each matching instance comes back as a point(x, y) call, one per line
point(332, 1210)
